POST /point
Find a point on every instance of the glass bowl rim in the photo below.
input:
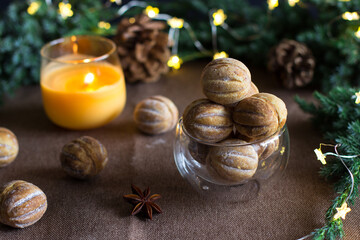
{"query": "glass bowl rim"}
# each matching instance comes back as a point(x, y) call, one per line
point(278, 133)
point(93, 59)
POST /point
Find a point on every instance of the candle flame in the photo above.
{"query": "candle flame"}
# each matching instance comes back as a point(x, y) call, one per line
point(89, 78)
point(75, 45)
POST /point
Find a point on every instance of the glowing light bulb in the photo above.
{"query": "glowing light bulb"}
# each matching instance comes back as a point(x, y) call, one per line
point(292, 3)
point(320, 156)
point(176, 22)
point(65, 10)
point(33, 8)
point(104, 25)
point(118, 2)
point(151, 11)
point(219, 17)
point(131, 20)
point(220, 55)
point(350, 16)
point(174, 62)
point(282, 150)
point(273, 4)
point(357, 101)
point(342, 211)
point(89, 78)
point(357, 33)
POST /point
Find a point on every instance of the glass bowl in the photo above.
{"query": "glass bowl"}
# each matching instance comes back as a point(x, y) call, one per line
point(206, 165)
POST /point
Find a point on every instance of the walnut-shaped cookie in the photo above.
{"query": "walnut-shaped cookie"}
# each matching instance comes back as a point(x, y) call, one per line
point(252, 90)
point(233, 163)
point(278, 104)
point(207, 121)
point(226, 81)
point(255, 118)
point(83, 157)
point(9, 147)
point(155, 115)
point(21, 204)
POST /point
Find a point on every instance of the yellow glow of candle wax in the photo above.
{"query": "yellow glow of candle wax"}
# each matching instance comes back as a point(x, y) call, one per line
point(83, 96)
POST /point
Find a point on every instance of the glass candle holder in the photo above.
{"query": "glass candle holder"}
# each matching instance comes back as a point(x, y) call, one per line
point(232, 169)
point(82, 83)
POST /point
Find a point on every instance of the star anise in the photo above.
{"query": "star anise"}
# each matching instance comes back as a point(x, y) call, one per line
point(143, 201)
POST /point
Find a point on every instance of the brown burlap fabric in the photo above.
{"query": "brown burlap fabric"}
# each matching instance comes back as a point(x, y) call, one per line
point(286, 209)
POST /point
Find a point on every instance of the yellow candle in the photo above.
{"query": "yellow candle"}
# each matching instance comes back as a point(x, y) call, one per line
point(83, 96)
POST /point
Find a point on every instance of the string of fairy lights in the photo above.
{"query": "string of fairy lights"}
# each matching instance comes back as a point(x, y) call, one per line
point(217, 19)
point(343, 209)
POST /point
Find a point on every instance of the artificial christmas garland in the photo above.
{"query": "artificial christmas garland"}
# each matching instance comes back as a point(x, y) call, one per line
point(249, 31)
point(337, 117)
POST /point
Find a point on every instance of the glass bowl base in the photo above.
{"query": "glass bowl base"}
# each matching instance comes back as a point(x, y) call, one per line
point(230, 193)
point(231, 171)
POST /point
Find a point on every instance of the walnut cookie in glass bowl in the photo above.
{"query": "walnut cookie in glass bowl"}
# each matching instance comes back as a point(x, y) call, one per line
point(231, 162)
point(234, 136)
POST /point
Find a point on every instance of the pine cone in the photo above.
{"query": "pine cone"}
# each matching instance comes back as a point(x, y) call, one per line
point(293, 62)
point(142, 48)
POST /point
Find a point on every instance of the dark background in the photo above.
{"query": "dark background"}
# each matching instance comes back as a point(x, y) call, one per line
point(4, 3)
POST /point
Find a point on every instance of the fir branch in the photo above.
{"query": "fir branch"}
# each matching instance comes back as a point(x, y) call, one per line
point(317, 24)
point(338, 115)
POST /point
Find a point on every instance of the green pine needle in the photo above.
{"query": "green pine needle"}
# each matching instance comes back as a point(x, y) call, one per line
point(337, 116)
